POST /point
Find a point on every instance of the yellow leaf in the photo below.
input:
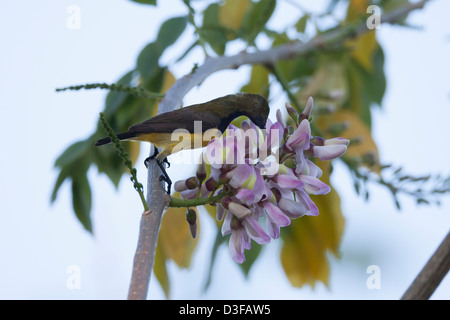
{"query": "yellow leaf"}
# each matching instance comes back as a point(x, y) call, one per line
point(356, 9)
point(231, 14)
point(134, 149)
point(356, 130)
point(259, 81)
point(329, 84)
point(308, 239)
point(175, 238)
point(160, 270)
point(168, 81)
point(332, 222)
point(363, 49)
point(303, 256)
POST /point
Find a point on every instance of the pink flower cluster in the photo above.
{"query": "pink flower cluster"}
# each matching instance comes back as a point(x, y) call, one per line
point(266, 177)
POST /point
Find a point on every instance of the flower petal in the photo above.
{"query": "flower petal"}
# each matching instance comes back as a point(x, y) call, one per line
point(236, 246)
point(314, 185)
point(226, 225)
point(246, 196)
point(240, 175)
point(272, 229)
point(341, 141)
point(299, 140)
point(276, 215)
point(280, 118)
point(220, 212)
point(329, 152)
point(301, 162)
point(189, 194)
point(255, 231)
point(247, 240)
point(289, 182)
point(311, 169)
point(238, 210)
point(293, 209)
point(303, 197)
point(308, 107)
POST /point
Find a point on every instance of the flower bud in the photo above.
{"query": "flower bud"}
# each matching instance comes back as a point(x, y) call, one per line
point(201, 171)
point(191, 218)
point(292, 113)
point(280, 118)
point(211, 184)
point(191, 183)
point(307, 111)
point(180, 186)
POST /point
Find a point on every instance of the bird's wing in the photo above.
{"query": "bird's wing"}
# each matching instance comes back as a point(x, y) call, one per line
point(178, 119)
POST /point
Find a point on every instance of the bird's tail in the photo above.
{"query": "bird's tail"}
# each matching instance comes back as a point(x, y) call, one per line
point(121, 136)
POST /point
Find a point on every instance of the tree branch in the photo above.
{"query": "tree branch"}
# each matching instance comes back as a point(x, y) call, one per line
point(432, 273)
point(156, 196)
point(158, 201)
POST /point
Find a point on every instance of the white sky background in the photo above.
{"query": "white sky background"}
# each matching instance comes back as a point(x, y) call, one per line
point(39, 241)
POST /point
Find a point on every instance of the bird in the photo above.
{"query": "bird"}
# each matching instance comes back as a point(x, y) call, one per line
point(215, 115)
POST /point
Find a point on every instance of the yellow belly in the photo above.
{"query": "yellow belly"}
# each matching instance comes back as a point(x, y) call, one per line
point(169, 143)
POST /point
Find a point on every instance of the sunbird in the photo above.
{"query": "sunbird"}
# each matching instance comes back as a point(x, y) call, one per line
point(215, 114)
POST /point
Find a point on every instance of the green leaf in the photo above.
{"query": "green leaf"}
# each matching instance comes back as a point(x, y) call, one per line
point(81, 199)
point(358, 97)
point(211, 31)
point(148, 59)
point(366, 87)
point(376, 81)
point(115, 99)
point(301, 24)
point(75, 151)
point(151, 2)
point(147, 62)
point(250, 257)
point(297, 70)
point(131, 110)
point(63, 175)
point(217, 243)
point(109, 162)
point(256, 18)
point(390, 5)
point(170, 31)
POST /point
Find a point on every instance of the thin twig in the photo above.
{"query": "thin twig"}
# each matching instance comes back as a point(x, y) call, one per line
point(156, 197)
